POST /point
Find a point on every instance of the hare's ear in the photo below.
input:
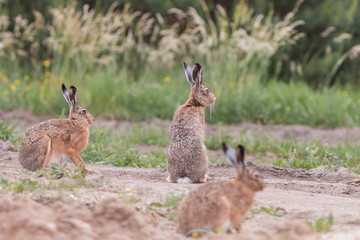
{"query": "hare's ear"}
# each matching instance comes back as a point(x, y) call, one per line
point(73, 96)
point(197, 74)
point(229, 153)
point(240, 156)
point(188, 74)
point(66, 94)
point(236, 158)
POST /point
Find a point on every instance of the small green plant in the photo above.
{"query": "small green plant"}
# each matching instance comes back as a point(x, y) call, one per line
point(322, 224)
point(7, 132)
point(127, 158)
point(269, 209)
point(20, 186)
point(57, 171)
point(166, 208)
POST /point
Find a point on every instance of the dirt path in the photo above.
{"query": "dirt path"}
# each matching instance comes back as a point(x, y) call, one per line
point(117, 205)
point(120, 204)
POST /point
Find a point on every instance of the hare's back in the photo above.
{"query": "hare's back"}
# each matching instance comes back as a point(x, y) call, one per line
point(57, 128)
point(187, 123)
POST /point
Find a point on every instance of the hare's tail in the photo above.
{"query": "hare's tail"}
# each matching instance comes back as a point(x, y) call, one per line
point(184, 180)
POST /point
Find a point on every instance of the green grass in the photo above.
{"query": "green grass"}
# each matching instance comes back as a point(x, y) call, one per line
point(148, 135)
point(112, 94)
point(7, 132)
point(269, 209)
point(132, 158)
point(259, 145)
point(57, 171)
point(318, 154)
point(322, 224)
point(107, 147)
point(73, 178)
point(20, 186)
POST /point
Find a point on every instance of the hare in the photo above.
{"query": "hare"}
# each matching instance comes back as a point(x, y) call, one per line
point(220, 206)
point(187, 157)
point(57, 138)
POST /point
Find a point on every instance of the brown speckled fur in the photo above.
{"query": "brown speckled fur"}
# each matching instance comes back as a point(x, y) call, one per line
point(186, 153)
point(220, 206)
point(56, 138)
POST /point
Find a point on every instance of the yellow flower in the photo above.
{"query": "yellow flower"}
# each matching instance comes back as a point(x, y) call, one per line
point(127, 189)
point(3, 76)
point(345, 93)
point(17, 82)
point(166, 79)
point(47, 74)
point(219, 230)
point(194, 234)
point(288, 109)
point(27, 78)
point(46, 63)
point(12, 87)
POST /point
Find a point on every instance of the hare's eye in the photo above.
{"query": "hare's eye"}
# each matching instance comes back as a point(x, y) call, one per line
point(83, 111)
point(207, 91)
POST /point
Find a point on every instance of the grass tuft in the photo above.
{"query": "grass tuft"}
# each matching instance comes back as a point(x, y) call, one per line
point(322, 224)
point(270, 209)
point(19, 186)
point(7, 132)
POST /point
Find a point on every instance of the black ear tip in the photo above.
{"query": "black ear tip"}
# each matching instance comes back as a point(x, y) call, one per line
point(185, 64)
point(224, 147)
point(74, 88)
point(241, 147)
point(63, 86)
point(241, 150)
point(197, 65)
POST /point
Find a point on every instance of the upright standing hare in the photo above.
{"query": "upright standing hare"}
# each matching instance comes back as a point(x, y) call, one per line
point(186, 154)
point(57, 138)
point(220, 206)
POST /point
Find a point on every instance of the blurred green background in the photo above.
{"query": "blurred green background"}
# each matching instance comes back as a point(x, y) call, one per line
point(287, 62)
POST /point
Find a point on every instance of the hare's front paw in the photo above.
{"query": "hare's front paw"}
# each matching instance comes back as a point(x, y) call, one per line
point(203, 178)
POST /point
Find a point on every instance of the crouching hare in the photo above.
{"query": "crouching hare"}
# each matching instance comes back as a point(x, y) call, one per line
point(221, 206)
point(187, 157)
point(57, 138)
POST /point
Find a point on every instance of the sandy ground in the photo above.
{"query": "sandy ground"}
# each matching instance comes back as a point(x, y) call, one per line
point(118, 206)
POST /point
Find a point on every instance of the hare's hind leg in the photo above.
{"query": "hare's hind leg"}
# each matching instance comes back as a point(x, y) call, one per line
point(34, 151)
